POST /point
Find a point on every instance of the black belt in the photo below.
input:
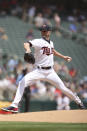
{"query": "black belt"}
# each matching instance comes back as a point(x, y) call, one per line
point(45, 68)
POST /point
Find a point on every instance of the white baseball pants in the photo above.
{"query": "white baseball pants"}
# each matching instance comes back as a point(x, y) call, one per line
point(46, 75)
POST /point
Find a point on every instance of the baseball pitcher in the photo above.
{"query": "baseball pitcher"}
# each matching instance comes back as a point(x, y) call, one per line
point(43, 68)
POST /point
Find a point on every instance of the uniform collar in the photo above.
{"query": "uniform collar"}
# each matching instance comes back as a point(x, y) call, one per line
point(46, 40)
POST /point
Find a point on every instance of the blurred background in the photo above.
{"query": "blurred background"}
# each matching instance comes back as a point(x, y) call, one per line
point(20, 21)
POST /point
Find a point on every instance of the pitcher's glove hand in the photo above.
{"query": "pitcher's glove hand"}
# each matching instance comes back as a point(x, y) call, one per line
point(29, 57)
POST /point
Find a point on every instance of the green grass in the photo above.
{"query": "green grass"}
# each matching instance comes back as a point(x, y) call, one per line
point(34, 126)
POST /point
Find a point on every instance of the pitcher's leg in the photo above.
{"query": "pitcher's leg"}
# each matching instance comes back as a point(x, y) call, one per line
point(19, 93)
point(26, 81)
point(54, 79)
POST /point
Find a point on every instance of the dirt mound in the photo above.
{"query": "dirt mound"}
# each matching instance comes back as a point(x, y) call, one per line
point(71, 116)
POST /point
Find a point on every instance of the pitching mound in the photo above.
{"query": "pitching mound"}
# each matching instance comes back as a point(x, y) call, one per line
point(72, 116)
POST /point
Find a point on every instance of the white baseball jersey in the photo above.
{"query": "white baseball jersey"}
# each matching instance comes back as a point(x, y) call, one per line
point(43, 52)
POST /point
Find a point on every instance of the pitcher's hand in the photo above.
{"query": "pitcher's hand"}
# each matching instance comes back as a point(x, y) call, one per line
point(67, 58)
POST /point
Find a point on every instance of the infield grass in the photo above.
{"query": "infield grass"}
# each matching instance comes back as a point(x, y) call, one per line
point(39, 126)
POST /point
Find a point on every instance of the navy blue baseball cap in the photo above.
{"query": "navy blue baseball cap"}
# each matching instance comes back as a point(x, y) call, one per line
point(45, 28)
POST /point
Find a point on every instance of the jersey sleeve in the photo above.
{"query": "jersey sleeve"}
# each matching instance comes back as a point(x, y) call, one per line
point(52, 44)
point(35, 43)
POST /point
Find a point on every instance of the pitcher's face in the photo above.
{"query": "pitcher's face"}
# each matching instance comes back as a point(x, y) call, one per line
point(45, 33)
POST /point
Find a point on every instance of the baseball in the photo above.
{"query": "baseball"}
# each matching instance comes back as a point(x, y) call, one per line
point(69, 60)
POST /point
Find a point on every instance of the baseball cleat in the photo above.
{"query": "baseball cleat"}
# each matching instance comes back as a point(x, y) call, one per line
point(81, 106)
point(10, 109)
